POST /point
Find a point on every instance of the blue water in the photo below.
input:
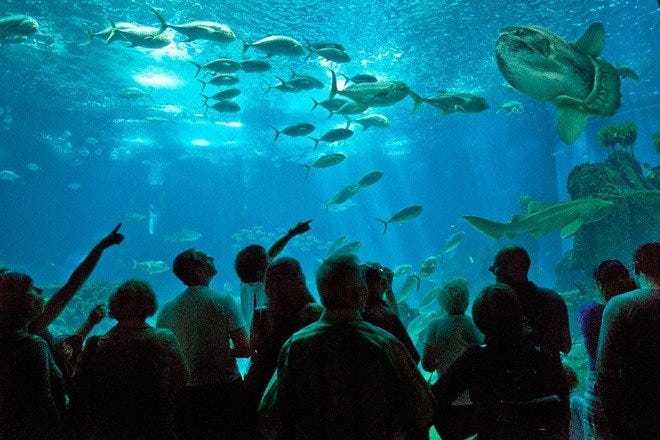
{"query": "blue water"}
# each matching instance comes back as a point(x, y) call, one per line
point(100, 159)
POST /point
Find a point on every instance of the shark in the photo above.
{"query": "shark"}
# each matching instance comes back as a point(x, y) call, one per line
point(544, 218)
point(570, 75)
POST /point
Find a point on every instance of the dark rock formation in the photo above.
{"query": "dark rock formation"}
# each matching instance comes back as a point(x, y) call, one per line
point(635, 218)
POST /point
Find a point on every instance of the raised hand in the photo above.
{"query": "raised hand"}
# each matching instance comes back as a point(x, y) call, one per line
point(301, 228)
point(96, 315)
point(113, 238)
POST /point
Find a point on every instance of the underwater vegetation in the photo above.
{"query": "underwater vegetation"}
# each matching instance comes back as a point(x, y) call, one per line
point(624, 135)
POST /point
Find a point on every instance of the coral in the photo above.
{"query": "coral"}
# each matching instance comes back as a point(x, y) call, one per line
point(624, 134)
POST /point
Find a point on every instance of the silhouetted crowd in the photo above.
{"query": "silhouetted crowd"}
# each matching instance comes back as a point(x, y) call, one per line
point(342, 369)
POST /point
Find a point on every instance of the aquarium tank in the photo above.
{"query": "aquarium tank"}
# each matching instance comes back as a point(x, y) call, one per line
point(423, 135)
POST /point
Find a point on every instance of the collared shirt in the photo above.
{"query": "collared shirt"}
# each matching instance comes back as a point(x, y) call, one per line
point(343, 378)
point(628, 382)
point(202, 321)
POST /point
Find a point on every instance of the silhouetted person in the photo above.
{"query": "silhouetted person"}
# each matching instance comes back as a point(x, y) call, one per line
point(61, 298)
point(445, 339)
point(378, 312)
point(506, 377)
point(211, 334)
point(545, 312)
point(343, 378)
point(128, 379)
point(251, 264)
point(628, 379)
point(290, 307)
point(612, 278)
point(31, 391)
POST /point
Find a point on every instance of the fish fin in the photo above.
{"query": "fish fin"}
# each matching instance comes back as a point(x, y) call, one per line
point(246, 46)
point(627, 72)
point(330, 114)
point(293, 73)
point(163, 23)
point(112, 34)
point(316, 141)
point(417, 100)
point(385, 223)
point(348, 122)
point(570, 124)
point(135, 263)
point(333, 86)
point(316, 104)
point(491, 228)
point(571, 228)
point(277, 133)
point(346, 78)
point(419, 282)
point(203, 84)
point(592, 41)
point(308, 171)
point(534, 206)
point(198, 67)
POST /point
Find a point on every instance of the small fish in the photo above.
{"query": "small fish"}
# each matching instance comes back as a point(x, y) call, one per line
point(453, 242)
point(220, 80)
point(346, 249)
point(183, 236)
point(135, 217)
point(220, 65)
point(360, 78)
point(225, 106)
point(350, 108)
point(33, 167)
point(9, 176)
point(337, 244)
point(428, 267)
point(330, 105)
point(74, 186)
point(17, 27)
point(370, 179)
point(405, 215)
point(151, 267)
point(402, 270)
point(332, 54)
point(373, 120)
point(326, 161)
point(326, 45)
point(344, 195)
point(277, 45)
point(412, 283)
point(255, 66)
point(514, 107)
point(334, 135)
point(296, 130)
point(223, 94)
point(133, 93)
point(200, 30)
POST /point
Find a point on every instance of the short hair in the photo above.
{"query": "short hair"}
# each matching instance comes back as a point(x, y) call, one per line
point(647, 260)
point(133, 299)
point(513, 258)
point(340, 282)
point(454, 296)
point(613, 278)
point(16, 307)
point(185, 266)
point(498, 313)
point(373, 274)
point(251, 264)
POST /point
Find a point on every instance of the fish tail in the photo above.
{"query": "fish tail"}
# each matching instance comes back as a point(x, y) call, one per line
point(90, 39)
point(201, 81)
point(330, 114)
point(316, 104)
point(316, 141)
point(491, 228)
point(163, 23)
point(246, 46)
point(346, 78)
point(277, 133)
point(135, 264)
point(385, 223)
point(308, 169)
point(348, 121)
point(418, 100)
point(198, 67)
point(333, 87)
